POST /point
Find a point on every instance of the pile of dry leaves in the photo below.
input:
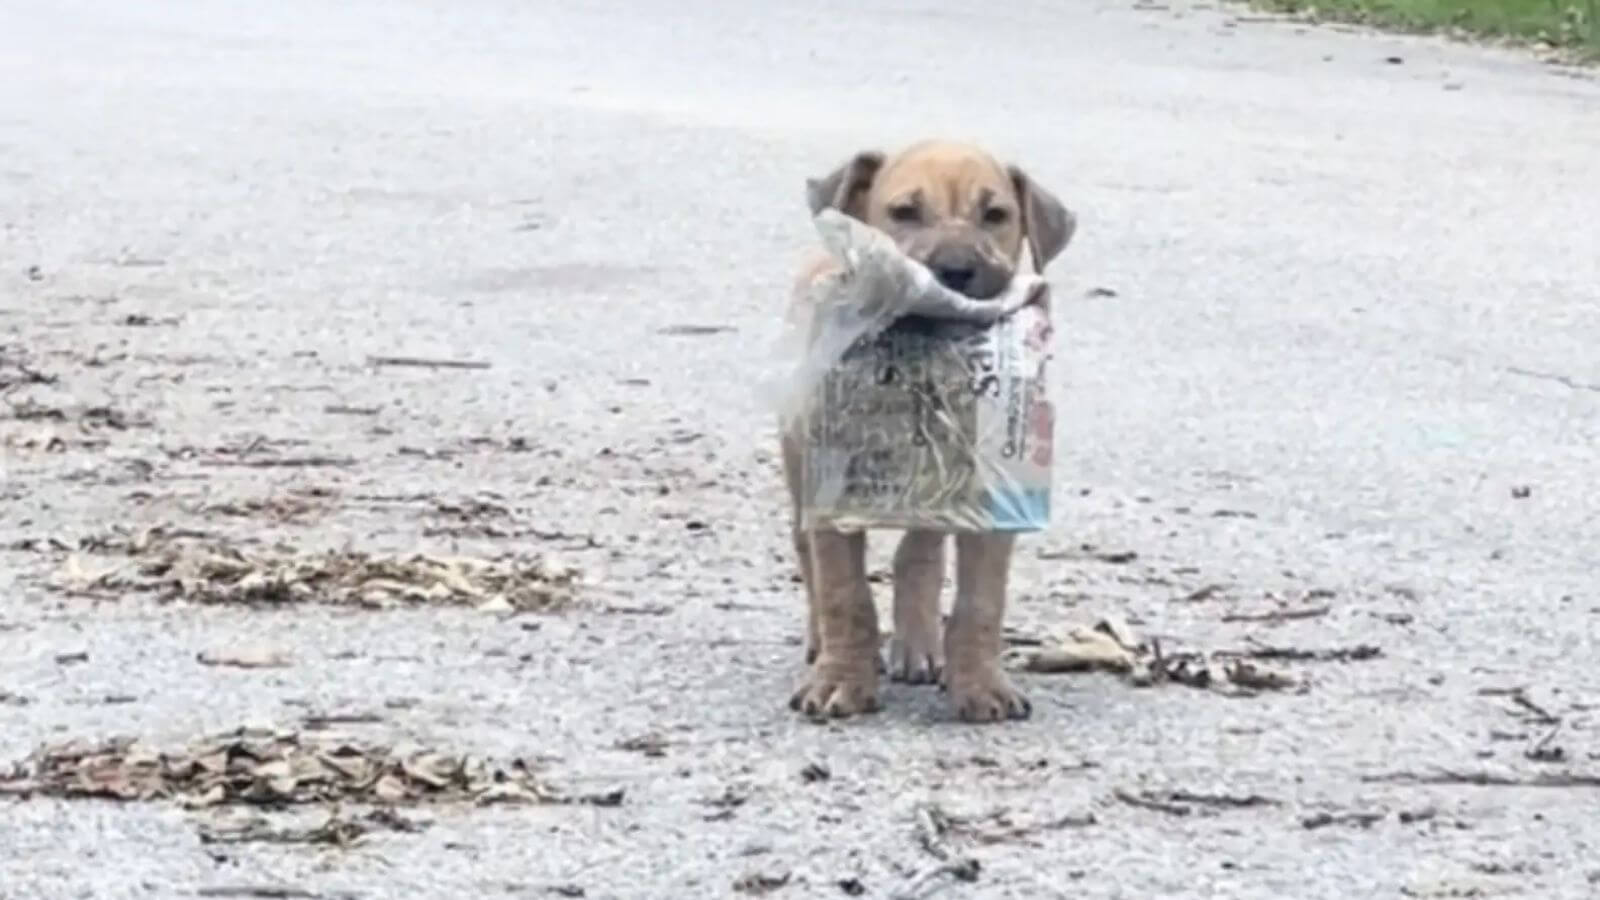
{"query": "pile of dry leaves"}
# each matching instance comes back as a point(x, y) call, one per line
point(203, 568)
point(276, 769)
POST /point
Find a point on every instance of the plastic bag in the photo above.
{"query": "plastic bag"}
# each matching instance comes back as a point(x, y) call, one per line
point(917, 407)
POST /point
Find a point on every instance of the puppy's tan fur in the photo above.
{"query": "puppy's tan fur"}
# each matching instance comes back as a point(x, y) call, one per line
point(956, 209)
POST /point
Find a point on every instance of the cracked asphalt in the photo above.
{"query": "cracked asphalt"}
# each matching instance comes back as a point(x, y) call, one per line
point(1326, 337)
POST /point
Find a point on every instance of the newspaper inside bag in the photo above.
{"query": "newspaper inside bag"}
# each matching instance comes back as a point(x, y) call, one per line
point(918, 407)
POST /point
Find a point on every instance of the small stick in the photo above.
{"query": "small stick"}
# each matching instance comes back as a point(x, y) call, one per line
point(1281, 615)
point(1171, 809)
point(1487, 779)
point(1546, 717)
point(419, 362)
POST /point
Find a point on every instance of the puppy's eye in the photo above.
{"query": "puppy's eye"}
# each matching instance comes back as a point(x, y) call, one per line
point(905, 213)
point(996, 215)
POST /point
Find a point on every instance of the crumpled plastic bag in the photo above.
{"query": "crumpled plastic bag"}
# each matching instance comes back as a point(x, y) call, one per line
point(918, 407)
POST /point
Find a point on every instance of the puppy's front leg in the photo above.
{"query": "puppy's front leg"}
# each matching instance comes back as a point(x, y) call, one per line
point(916, 652)
point(978, 687)
point(844, 679)
point(792, 475)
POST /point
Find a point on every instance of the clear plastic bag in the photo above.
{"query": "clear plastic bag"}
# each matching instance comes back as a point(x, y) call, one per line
point(915, 406)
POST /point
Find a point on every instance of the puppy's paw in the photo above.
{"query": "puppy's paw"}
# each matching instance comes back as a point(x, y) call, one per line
point(838, 690)
point(916, 658)
point(984, 693)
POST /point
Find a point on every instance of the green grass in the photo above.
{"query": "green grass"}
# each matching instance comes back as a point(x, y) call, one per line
point(1570, 25)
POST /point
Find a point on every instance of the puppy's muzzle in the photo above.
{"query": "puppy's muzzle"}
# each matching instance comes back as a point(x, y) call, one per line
point(955, 265)
point(962, 261)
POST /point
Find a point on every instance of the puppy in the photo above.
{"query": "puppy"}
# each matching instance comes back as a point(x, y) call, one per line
point(965, 216)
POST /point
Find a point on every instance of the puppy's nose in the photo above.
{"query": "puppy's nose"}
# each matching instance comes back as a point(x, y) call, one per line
point(954, 266)
point(955, 277)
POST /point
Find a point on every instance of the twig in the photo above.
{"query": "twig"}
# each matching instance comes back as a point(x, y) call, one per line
point(1487, 779)
point(932, 824)
point(419, 362)
point(1519, 696)
point(1545, 717)
point(1296, 654)
point(1322, 820)
point(269, 892)
point(1567, 380)
point(1543, 751)
point(1281, 615)
point(931, 828)
point(285, 462)
point(1221, 800)
point(1171, 809)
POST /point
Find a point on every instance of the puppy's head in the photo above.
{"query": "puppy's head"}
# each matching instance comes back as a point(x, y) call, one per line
point(953, 208)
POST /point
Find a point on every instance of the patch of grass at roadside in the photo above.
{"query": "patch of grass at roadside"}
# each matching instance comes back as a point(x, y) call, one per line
point(1571, 25)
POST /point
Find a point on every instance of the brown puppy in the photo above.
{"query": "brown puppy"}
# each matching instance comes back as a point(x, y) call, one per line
point(967, 217)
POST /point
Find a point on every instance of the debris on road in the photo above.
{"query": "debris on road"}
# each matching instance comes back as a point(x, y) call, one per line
point(313, 461)
point(291, 508)
point(1110, 646)
point(814, 772)
point(418, 362)
point(323, 721)
point(15, 371)
point(263, 892)
point(1152, 803)
point(275, 768)
point(1203, 593)
point(1218, 801)
point(337, 830)
point(1487, 779)
point(1085, 650)
point(693, 330)
point(652, 744)
point(1529, 709)
point(210, 570)
point(1258, 678)
point(1357, 653)
point(1279, 616)
point(1545, 750)
point(759, 883)
point(1325, 819)
point(934, 830)
point(245, 658)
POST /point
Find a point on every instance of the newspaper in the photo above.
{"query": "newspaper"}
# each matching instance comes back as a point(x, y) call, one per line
point(919, 407)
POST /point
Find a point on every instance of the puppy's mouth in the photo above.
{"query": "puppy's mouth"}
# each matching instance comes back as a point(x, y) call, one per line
point(970, 276)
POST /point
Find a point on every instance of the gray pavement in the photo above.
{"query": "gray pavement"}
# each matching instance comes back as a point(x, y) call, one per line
point(1327, 332)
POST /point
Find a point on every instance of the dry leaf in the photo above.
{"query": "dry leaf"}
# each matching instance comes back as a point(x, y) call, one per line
point(1085, 650)
point(390, 789)
point(432, 769)
point(496, 604)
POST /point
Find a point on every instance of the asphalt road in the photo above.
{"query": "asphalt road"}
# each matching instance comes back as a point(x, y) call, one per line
point(1326, 338)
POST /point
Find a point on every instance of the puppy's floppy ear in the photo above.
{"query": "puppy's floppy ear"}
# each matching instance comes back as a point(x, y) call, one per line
point(845, 188)
point(1046, 222)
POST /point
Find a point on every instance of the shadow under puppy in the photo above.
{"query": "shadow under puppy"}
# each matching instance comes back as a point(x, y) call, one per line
point(967, 217)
